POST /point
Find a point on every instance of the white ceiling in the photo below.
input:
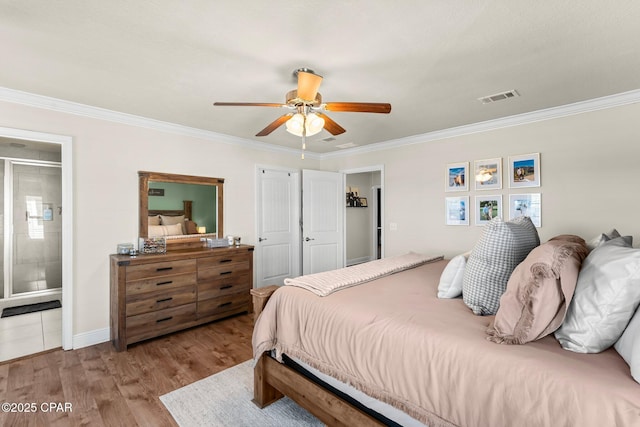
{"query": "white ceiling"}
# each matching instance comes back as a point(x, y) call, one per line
point(431, 60)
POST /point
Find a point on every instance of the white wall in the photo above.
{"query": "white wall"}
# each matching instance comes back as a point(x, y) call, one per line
point(107, 157)
point(589, 183)
point(589, 168)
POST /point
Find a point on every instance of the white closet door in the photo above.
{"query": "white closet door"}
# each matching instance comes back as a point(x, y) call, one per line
point(323, 201)
point(278, 227)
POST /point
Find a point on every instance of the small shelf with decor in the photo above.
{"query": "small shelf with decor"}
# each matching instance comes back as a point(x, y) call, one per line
point(354, 201)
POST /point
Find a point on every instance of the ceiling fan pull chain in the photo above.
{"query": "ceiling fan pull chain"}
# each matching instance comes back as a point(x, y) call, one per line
point(304, 135)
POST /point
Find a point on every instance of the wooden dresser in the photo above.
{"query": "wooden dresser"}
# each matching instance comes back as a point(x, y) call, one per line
point(152, 295)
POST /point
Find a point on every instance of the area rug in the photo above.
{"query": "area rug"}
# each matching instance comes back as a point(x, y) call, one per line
point(30, 308)
point(224, 399)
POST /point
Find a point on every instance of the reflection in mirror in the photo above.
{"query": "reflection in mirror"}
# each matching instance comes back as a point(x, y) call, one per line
point(165, 197)
point(180, 206)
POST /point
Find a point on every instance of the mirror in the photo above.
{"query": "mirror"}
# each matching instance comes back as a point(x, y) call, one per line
point(169, 197)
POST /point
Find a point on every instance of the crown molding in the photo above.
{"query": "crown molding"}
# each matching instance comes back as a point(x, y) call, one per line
point(54, 104)
point(595, 104)
point(69, 107)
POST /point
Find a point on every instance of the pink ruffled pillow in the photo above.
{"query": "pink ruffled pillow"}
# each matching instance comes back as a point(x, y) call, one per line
point(539, 292)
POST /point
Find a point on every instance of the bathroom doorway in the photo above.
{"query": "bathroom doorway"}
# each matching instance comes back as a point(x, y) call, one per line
point(31, 245)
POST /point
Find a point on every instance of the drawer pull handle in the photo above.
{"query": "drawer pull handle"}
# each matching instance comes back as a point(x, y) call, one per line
point(164, 319)
point(225, 260)
point(226, 287)
point(225, 273)
point(164, 268)
point(225, 304)
point(164, 283)
point(165, 299)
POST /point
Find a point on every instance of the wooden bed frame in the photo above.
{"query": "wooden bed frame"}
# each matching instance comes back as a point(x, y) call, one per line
point(187, 210)
point(273, 380)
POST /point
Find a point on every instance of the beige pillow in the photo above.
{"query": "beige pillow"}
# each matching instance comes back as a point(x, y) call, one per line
point(165, 230)
point(170, 220)
point(539, 292)
point(154, 219)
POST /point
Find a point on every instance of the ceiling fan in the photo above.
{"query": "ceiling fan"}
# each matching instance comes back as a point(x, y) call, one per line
point(306, 117)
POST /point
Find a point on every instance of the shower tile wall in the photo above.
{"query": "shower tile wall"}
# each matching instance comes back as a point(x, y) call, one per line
point(37, 242)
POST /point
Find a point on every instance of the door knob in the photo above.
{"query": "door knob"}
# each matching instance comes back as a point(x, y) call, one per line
point(306, 239)
point(260, 239)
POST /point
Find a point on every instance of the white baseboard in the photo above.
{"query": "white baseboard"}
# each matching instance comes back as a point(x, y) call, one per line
point(86, 339)
point(358, 260)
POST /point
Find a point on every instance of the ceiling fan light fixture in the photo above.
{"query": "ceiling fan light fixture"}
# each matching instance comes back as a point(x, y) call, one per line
point(312, 124)
point(295, 124)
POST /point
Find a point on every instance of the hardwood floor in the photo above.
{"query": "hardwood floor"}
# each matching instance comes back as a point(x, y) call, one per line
point(107, 388)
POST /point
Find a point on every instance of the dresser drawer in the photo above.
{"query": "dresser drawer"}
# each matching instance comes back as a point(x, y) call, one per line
point(159, 300)
point(223, 259)
point(227, 285)
point(160, 269)
point(221, 271)
point(160, 283)
point(224, 304)
point(149, 325)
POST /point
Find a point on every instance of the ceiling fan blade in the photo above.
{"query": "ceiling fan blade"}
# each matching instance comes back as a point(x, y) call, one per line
point(308, 85)
point(247, 104)
point(359, 107)
point(331, 126)
point(274, 125)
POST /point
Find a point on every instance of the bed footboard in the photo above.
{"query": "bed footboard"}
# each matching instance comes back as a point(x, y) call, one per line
point(272, 380)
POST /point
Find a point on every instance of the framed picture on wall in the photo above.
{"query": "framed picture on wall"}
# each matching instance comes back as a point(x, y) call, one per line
point(487, 208)
point(524, 170)
point(457, 210)
point(456, 177)
point(526, 205)
point(487, 174)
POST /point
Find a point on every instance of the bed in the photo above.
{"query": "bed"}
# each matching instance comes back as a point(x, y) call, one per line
point(428, 358)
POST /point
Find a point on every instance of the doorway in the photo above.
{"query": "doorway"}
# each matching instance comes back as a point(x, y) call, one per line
point(364, 218)
point(37, 246)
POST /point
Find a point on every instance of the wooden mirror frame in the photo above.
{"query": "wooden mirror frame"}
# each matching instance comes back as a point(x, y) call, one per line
point(145, 177)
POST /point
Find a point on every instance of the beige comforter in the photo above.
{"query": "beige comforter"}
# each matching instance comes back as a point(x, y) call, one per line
point(395, 340)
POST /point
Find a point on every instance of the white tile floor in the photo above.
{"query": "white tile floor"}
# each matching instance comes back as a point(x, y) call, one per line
point(30, 333)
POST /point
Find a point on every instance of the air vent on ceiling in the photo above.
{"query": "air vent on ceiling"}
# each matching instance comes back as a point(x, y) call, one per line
point(499, 96)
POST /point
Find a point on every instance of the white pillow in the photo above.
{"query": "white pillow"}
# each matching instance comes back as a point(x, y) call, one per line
point(165, 230)
point(450, 285)
point(606, 296)
point(628, 346)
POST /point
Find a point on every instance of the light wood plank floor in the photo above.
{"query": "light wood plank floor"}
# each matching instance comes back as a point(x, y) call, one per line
point(107, 388)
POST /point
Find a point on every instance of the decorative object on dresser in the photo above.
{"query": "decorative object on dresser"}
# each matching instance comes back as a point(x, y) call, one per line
point(152, 295)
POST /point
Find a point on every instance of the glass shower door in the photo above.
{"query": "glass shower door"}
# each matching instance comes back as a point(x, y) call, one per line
point(37, 228)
